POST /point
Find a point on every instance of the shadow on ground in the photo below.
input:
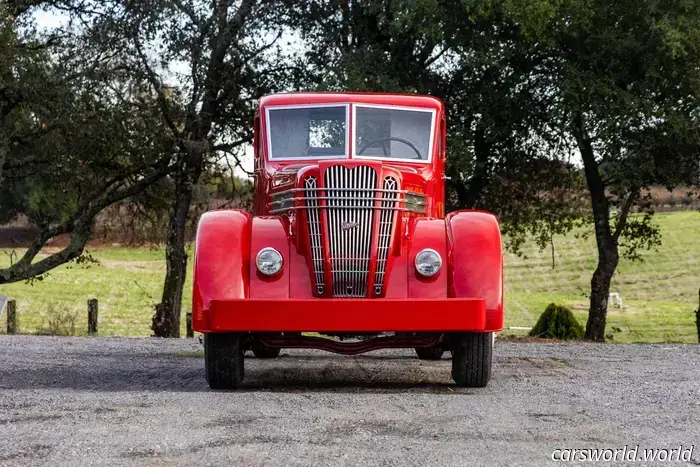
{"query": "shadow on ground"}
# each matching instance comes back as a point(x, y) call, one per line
point(120, 371)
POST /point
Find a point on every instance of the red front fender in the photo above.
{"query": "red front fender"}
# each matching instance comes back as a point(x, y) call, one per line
point(475, 261)
point(222, 261)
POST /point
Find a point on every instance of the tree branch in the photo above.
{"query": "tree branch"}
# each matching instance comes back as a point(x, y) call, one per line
point(624, 213)
point(79, 226)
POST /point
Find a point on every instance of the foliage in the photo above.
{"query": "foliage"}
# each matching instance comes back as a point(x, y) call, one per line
point(503, 152)
point(221, 57)
point(627, 89)
point(557, 322)
point(59, 320)
point(71, 142)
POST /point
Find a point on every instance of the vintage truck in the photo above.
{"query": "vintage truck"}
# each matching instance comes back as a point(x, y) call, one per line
point(349, 249)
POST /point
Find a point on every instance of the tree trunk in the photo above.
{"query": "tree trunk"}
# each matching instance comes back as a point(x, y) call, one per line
point(4, 150)
point(166, 321)
point(697, 316)
point(606, 241)
point(600, 291)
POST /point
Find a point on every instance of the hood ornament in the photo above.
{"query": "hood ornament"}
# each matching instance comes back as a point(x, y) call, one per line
point(345, 226)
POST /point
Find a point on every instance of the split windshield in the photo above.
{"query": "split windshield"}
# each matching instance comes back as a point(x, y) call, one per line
point(321, 132)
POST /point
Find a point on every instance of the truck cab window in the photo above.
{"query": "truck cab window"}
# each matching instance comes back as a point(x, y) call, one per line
point(393, 133)
point(308, 132)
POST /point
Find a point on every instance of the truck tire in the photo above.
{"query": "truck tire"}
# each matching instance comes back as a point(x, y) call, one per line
point(471, 359)
point(223, 360)
point(263, 351)
point(430, 353)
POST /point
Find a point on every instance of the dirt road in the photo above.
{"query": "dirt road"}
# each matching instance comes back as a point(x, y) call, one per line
point(81, 401)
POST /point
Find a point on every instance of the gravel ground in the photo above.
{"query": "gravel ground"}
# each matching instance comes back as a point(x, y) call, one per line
point(110, 401)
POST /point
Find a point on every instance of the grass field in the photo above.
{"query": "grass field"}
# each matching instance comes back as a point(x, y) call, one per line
point(659, 294)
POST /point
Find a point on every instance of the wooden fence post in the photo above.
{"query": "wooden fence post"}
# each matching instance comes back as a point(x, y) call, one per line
point(92, 317)
point(12, 319)
point(697, 316)
point(188, 319)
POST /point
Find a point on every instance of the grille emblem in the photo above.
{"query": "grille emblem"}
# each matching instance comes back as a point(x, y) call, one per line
point(345, 226)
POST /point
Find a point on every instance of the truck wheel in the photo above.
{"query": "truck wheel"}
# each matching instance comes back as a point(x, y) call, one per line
point(223, 360)
point(430, 353)
point(263, 351)
point(471, 359)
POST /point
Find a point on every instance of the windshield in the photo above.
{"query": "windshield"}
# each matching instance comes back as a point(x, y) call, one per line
point(307, 132)
point(393, 133)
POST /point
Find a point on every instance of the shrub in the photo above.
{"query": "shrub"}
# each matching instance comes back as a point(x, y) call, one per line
point(58, 321)
point(557, 322)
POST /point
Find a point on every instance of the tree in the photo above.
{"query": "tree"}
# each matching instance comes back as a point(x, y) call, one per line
point(627, 84)
point(69, 147)
point(505, 151)
point(222, 55)
point(535, 90)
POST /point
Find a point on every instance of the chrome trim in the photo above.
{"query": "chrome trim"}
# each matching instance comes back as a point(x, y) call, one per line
point(313, 218)
point(376, 190)
point(353, 198)
point(332, 208)
point(386, 224)
point(350, 249)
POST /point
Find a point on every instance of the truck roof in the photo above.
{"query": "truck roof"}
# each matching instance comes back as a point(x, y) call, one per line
point(304, 98)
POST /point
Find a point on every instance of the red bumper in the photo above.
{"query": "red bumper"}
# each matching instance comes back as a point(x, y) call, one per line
point(347, 315)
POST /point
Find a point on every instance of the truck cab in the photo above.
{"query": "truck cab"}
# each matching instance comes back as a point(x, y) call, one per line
point(348, 248)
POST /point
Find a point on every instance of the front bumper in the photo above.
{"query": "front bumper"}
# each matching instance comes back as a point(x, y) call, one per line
point(347, 315)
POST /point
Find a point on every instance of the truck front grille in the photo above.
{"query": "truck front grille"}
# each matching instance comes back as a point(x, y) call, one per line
point(313, 216)
point(386, 224)
point(350, 222)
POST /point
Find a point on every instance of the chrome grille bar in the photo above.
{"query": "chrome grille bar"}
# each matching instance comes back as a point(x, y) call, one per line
point(315, 237)
point(386, 221)
point(350, 217)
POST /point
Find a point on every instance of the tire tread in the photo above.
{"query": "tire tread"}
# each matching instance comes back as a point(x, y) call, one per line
point(472, 359)
point(223, 360)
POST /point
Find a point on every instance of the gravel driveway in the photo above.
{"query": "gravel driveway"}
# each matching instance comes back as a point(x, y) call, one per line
point(109, 401)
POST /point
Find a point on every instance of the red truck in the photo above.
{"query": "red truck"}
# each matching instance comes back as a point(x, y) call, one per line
point(349, 249)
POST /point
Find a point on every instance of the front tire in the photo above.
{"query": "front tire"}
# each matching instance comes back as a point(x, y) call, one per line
point(430, 353)
point(471, 359)
point(223, 360)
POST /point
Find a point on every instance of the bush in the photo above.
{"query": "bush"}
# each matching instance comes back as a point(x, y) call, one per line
point(58, 321)
point(557, 322)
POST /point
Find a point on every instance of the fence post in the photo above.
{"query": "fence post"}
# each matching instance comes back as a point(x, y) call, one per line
point(92, 317)
point(12, 319)
point(188, 319)
point(697, 316)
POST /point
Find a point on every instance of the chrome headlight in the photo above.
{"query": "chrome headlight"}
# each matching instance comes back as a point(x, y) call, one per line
point(428, 262)
point(269, 261)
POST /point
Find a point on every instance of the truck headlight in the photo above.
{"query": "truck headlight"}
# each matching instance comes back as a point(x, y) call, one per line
point(428, 262)
point(269, 261)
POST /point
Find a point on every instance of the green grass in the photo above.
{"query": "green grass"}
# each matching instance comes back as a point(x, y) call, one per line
point(659, 294)
point(127, 282)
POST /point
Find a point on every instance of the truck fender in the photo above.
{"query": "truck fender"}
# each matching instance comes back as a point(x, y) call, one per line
point(475, 259)
point(221, 263)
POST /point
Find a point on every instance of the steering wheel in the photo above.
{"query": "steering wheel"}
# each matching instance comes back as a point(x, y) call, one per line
point(391, 138)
